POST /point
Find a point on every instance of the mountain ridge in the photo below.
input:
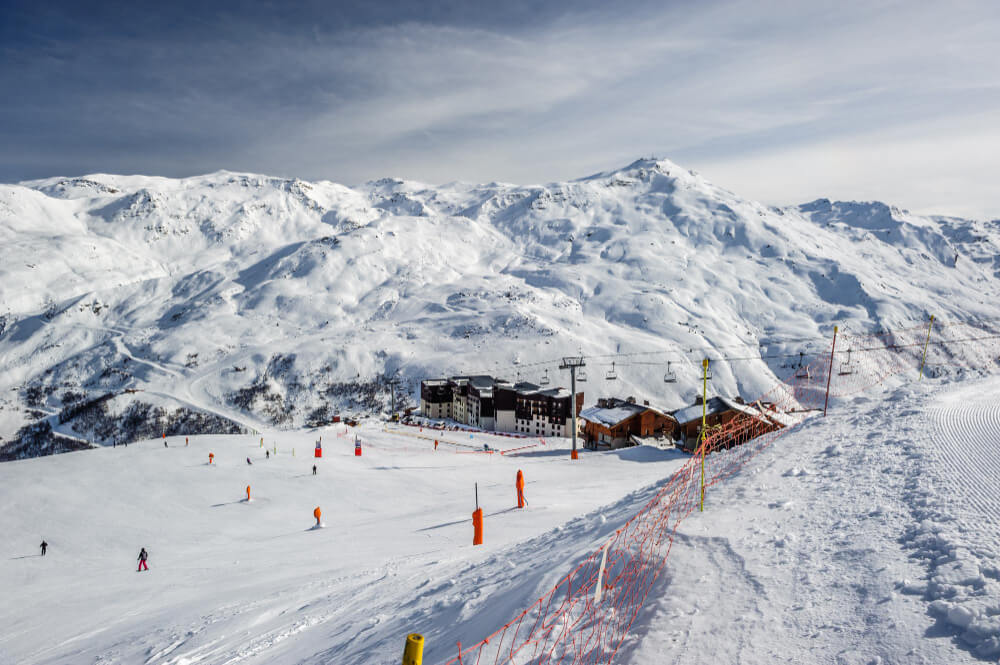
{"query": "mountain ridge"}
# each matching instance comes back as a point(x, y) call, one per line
point(317, 289)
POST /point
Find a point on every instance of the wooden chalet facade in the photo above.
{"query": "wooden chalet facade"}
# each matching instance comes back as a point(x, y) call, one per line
point(740, 422)
point(613, 423)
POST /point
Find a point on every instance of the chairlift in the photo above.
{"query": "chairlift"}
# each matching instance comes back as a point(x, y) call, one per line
point(611, 376)
point(846, 367)
point(581, 376)
point(802, 372)
point(545, 378)
point(670, 376)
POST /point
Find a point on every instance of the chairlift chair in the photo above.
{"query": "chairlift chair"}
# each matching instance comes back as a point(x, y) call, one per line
point(670, 376)
point(581, 376)
point(545, 378)
point(802, 372)
point(846, 367)
point(611, 375)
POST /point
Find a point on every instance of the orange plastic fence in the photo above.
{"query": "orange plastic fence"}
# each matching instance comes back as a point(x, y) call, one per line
point(567, 625)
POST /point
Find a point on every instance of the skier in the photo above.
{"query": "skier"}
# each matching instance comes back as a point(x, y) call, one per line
point(142, 560)
point(185, 442)
point(267, 454)
point(165, 444)
point(249, 463)
point(44, 547)
point(314, 469)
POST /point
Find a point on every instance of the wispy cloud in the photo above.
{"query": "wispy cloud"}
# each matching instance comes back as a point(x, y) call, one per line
point(756, 95)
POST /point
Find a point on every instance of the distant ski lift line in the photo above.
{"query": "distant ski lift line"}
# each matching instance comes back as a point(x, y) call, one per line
point(776, 356)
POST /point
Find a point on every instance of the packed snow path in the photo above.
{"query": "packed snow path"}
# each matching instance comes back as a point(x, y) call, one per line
point(867, 537)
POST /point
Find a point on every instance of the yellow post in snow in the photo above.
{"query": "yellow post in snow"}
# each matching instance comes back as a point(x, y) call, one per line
point(926, 341)
point(413, 651)
point(701, 435)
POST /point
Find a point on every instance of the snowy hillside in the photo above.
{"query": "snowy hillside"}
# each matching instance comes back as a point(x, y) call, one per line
point(242, 301)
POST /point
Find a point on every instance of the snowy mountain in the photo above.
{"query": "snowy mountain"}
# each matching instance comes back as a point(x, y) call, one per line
point(131, 305)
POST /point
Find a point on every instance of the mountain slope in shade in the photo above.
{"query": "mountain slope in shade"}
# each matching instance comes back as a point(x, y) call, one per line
point(276, 302)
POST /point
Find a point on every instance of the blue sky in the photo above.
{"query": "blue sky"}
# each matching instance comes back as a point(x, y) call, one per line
point(778, 101)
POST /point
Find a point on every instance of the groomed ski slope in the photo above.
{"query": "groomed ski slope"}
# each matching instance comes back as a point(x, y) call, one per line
point(866, 537)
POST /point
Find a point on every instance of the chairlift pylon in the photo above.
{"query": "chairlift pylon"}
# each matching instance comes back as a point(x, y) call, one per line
point(670, 376)
point(611, 375)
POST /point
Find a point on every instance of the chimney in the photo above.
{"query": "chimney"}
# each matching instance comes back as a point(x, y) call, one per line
point(630, 400)
point(645, 402)
point(698, 399)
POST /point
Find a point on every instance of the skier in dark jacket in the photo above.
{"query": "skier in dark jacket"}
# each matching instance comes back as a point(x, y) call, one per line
point(267, 454)
point(249, 462)
point(142, 559)
point(44, 547)
point(314, 469)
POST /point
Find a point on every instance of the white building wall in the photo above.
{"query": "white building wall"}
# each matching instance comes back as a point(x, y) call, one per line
point(505, 421)
point(458, 408)
point(540, 426)
point(435, 409)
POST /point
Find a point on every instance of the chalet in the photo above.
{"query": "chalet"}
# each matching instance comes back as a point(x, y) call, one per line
point(722, 411)
point(614, 421)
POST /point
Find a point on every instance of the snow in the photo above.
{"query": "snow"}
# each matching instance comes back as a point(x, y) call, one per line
point(232, 581)
point(609, 417)
point(887, 552)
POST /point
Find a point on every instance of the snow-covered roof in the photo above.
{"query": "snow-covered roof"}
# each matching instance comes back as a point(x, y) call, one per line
point(714, 405)
point(616, 411)
point(613, 416)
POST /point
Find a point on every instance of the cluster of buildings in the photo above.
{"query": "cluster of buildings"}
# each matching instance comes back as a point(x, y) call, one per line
point(525, 408)
point(500, 406)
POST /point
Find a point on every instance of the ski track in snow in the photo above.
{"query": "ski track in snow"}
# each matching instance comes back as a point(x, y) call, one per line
point(967, 436)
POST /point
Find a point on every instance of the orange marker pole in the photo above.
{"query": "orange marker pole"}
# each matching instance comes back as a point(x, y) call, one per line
point(211, 456)
point(248, 492)
point(519, 484)
point(477, 521)
point(317, 513)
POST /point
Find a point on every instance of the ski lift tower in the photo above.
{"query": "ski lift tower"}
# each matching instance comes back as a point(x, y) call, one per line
point(573, 364)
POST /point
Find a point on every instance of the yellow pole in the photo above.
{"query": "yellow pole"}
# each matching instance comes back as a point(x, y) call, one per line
point(413, 651)
point(926, 341)
point(701, 435)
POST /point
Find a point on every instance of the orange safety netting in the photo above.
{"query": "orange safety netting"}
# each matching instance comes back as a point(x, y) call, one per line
point(572, 623)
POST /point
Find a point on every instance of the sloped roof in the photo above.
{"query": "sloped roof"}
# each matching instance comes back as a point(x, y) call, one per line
point(610, 417)
point(618, 412)
point(714, 405)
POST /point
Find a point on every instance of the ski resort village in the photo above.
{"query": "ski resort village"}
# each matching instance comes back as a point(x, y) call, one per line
point(532, 333)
